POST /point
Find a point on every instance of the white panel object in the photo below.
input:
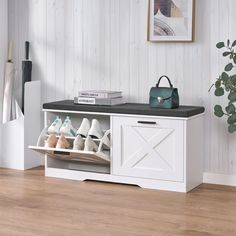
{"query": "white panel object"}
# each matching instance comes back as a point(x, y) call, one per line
point(13, 144)
point(193, 147)
point(17, 134)
point(149, 151)
point(221, 179)
point(148, 148)
point(162, 149)
point(3, 45)
point(3, 53)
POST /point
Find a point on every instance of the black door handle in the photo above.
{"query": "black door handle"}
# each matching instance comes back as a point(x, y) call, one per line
point(61, 153)
point(147, 122)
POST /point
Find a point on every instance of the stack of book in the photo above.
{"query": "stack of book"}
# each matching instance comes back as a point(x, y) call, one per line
point(99, 97)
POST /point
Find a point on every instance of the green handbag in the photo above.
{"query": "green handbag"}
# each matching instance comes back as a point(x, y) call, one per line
point(164, 97)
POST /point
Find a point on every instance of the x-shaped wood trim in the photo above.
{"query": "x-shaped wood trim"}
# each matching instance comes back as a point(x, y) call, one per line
point(147, 147)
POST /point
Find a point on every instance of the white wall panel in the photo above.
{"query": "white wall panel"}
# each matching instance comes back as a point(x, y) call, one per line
point(3, 45)
point(89, 44)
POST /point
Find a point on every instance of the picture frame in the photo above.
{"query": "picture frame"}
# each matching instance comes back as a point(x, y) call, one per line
point(171, 20)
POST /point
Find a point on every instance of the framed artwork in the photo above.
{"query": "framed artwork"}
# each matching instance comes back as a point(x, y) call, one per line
point(170, 20)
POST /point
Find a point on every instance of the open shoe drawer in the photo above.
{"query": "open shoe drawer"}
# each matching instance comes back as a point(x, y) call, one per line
point(72, 155)
point(99, 157)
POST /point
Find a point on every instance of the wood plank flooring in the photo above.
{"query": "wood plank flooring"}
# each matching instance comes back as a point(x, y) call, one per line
point(31, 204)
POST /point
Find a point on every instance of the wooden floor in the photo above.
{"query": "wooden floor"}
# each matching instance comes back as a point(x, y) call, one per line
point(31, 204)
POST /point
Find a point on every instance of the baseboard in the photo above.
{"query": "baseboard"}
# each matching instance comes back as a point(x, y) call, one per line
point(221, 179)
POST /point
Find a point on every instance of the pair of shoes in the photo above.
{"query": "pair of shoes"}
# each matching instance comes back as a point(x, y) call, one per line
point(58, 128)
point(87, 145)
point(53, 142)
point(94, 131)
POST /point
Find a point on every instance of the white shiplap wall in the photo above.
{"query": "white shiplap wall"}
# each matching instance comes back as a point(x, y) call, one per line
point(94, 44)
point(3, 45)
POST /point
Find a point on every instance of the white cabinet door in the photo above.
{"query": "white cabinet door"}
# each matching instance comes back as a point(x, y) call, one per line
point(148, 148)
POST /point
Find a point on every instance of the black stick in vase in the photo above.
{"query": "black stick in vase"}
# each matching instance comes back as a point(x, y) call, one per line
point(26, 72)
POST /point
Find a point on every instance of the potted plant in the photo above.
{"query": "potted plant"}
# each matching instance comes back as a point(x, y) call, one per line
point(226, 84)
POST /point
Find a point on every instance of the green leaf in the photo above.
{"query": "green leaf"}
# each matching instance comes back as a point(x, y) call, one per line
point(218, 111)
point(232, 96)
point(219, 92)
point(231, 120)
point(227, 88)
point(217, 84)
point(232, 128)
point(229, 67)
point(233, 79)
point(227, 84)
point(234, 59)
point(224, 76)
point(220, 45)
point(234, 43)
point(230, 109)
point(228, 42)
point(225, 54)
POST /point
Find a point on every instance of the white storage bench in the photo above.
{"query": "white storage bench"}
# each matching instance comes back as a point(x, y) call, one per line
point(151, 148)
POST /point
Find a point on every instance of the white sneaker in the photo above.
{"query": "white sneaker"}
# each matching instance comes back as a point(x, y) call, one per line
point(105, 141)
point(54, 128)
point(67, 129)
point(84, 128)
point(95, 130)
point(78, 143)
point(90, 145)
